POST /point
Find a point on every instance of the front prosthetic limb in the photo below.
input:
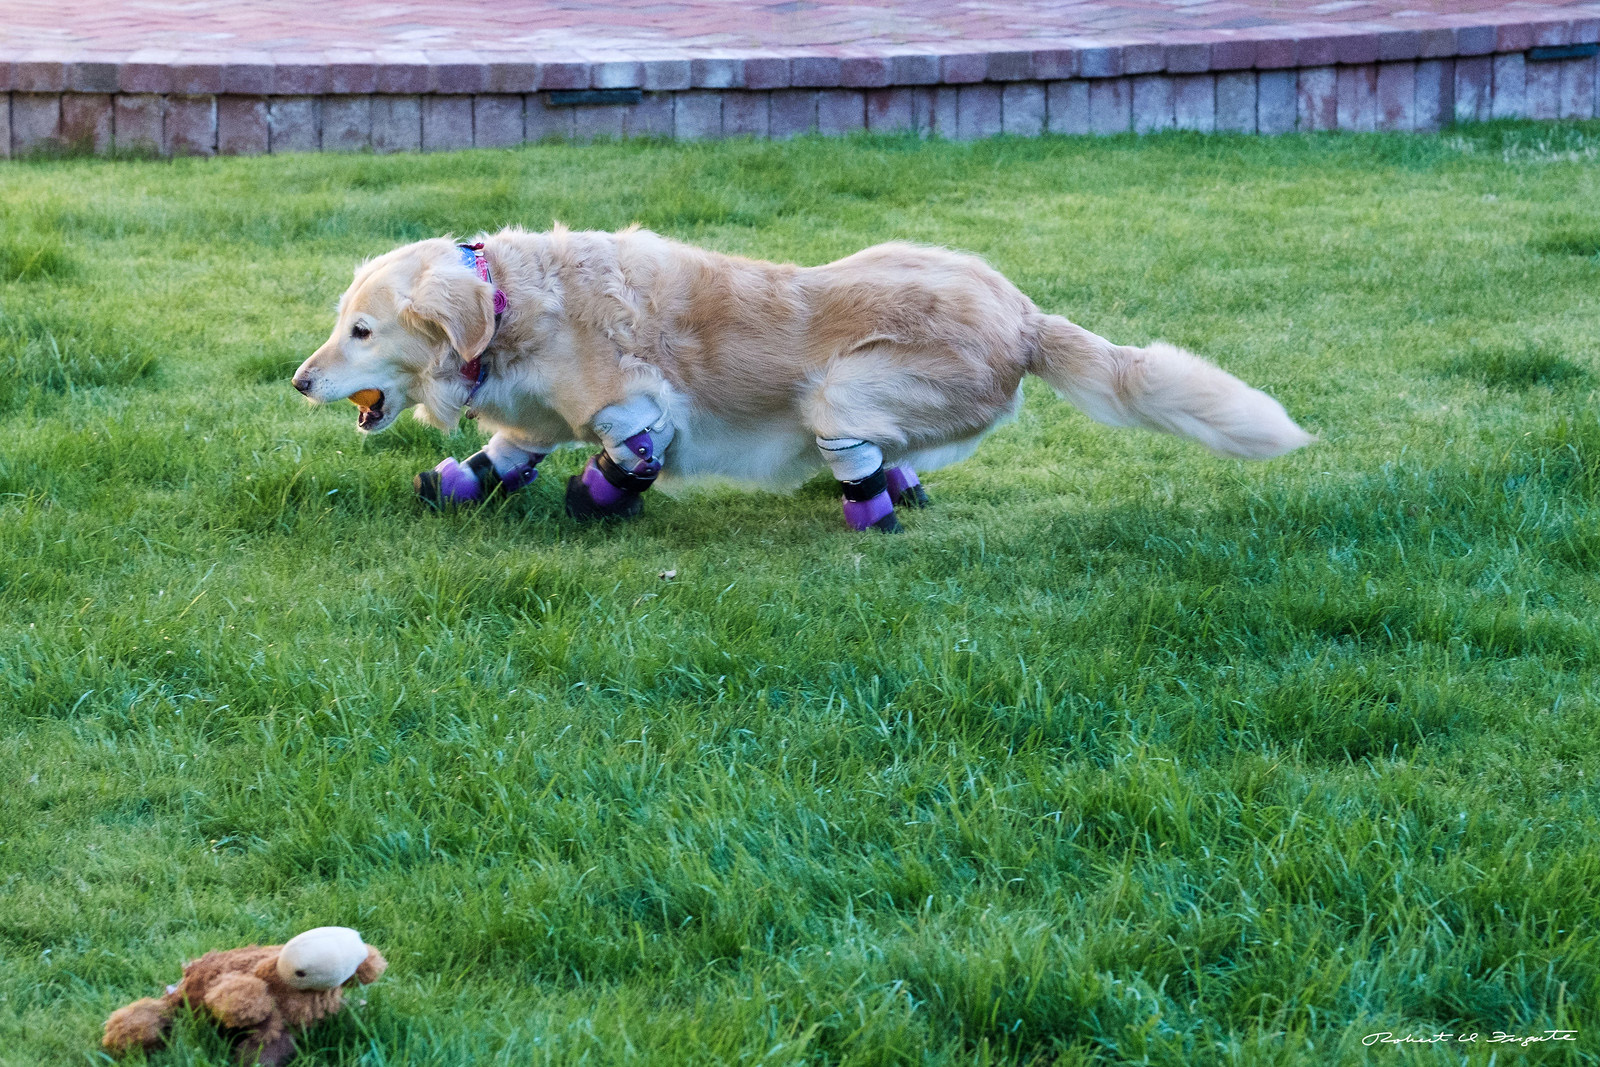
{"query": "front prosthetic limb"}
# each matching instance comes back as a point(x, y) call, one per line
point(500, 466)
point(636, 435)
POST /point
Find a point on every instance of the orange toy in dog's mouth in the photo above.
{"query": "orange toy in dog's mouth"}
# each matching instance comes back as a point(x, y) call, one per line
point(370, 401)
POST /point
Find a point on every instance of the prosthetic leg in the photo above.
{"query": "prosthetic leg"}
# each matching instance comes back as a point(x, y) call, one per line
point(871, 490)
point(905, 489)
point(636, 435)
point(499, 467)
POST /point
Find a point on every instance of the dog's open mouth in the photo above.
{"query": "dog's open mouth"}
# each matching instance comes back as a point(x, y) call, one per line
point(370, 401)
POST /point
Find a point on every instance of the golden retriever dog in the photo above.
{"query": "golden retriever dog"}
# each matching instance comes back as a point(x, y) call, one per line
point(678, 361)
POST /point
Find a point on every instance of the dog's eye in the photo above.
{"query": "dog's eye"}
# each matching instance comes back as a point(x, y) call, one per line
point(299, 974)
point(360, 332)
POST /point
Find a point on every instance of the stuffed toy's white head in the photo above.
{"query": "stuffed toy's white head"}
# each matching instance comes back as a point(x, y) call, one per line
point(323, 958)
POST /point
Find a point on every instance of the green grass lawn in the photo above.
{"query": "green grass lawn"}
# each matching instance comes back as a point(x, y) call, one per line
point(1121, 753)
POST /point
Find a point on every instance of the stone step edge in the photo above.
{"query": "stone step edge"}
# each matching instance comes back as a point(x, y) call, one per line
point(1403, 95)
point(353, 73)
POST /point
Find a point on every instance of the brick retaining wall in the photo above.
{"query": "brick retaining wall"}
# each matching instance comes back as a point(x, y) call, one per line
point(1411, 80)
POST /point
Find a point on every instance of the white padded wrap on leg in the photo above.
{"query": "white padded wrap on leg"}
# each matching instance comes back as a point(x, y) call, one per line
point(850, 459)
point(618, 422)
point(507, 456)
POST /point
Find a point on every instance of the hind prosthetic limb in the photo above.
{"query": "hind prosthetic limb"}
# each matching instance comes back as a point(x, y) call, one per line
point(905, 489)
point(858, 467)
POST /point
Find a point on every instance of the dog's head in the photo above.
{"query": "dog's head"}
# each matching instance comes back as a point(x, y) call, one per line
point(406, 325)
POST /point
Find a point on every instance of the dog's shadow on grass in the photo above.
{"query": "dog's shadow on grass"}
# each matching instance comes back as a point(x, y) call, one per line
point(690, 518)
point(809, 520)
point(693, 516)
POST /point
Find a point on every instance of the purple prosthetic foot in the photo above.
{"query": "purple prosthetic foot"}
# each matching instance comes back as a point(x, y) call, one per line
point(606, 489)
point(473, 481)
point(591, 496)
point(521, 477)
point(905, 489)
point(874, 513)
point(449, 483)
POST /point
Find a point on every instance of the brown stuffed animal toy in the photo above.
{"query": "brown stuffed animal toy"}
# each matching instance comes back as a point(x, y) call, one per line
point(258, 991)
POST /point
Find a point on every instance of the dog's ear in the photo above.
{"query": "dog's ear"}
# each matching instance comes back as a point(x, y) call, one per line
point(451, 298)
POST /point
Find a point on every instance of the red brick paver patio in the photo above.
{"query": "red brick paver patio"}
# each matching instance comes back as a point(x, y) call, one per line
point(156, 31)
point(201, 76)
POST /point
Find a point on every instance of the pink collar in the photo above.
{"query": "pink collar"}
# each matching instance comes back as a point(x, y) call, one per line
point(475, 370)
point(472, 256)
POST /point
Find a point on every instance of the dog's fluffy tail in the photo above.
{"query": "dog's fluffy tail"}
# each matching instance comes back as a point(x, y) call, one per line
point(1161, 387)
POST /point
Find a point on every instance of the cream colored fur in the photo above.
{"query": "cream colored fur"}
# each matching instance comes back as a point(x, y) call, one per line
point(918, 350)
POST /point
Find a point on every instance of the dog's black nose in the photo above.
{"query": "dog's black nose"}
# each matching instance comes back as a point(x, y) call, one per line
point(303, 384)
